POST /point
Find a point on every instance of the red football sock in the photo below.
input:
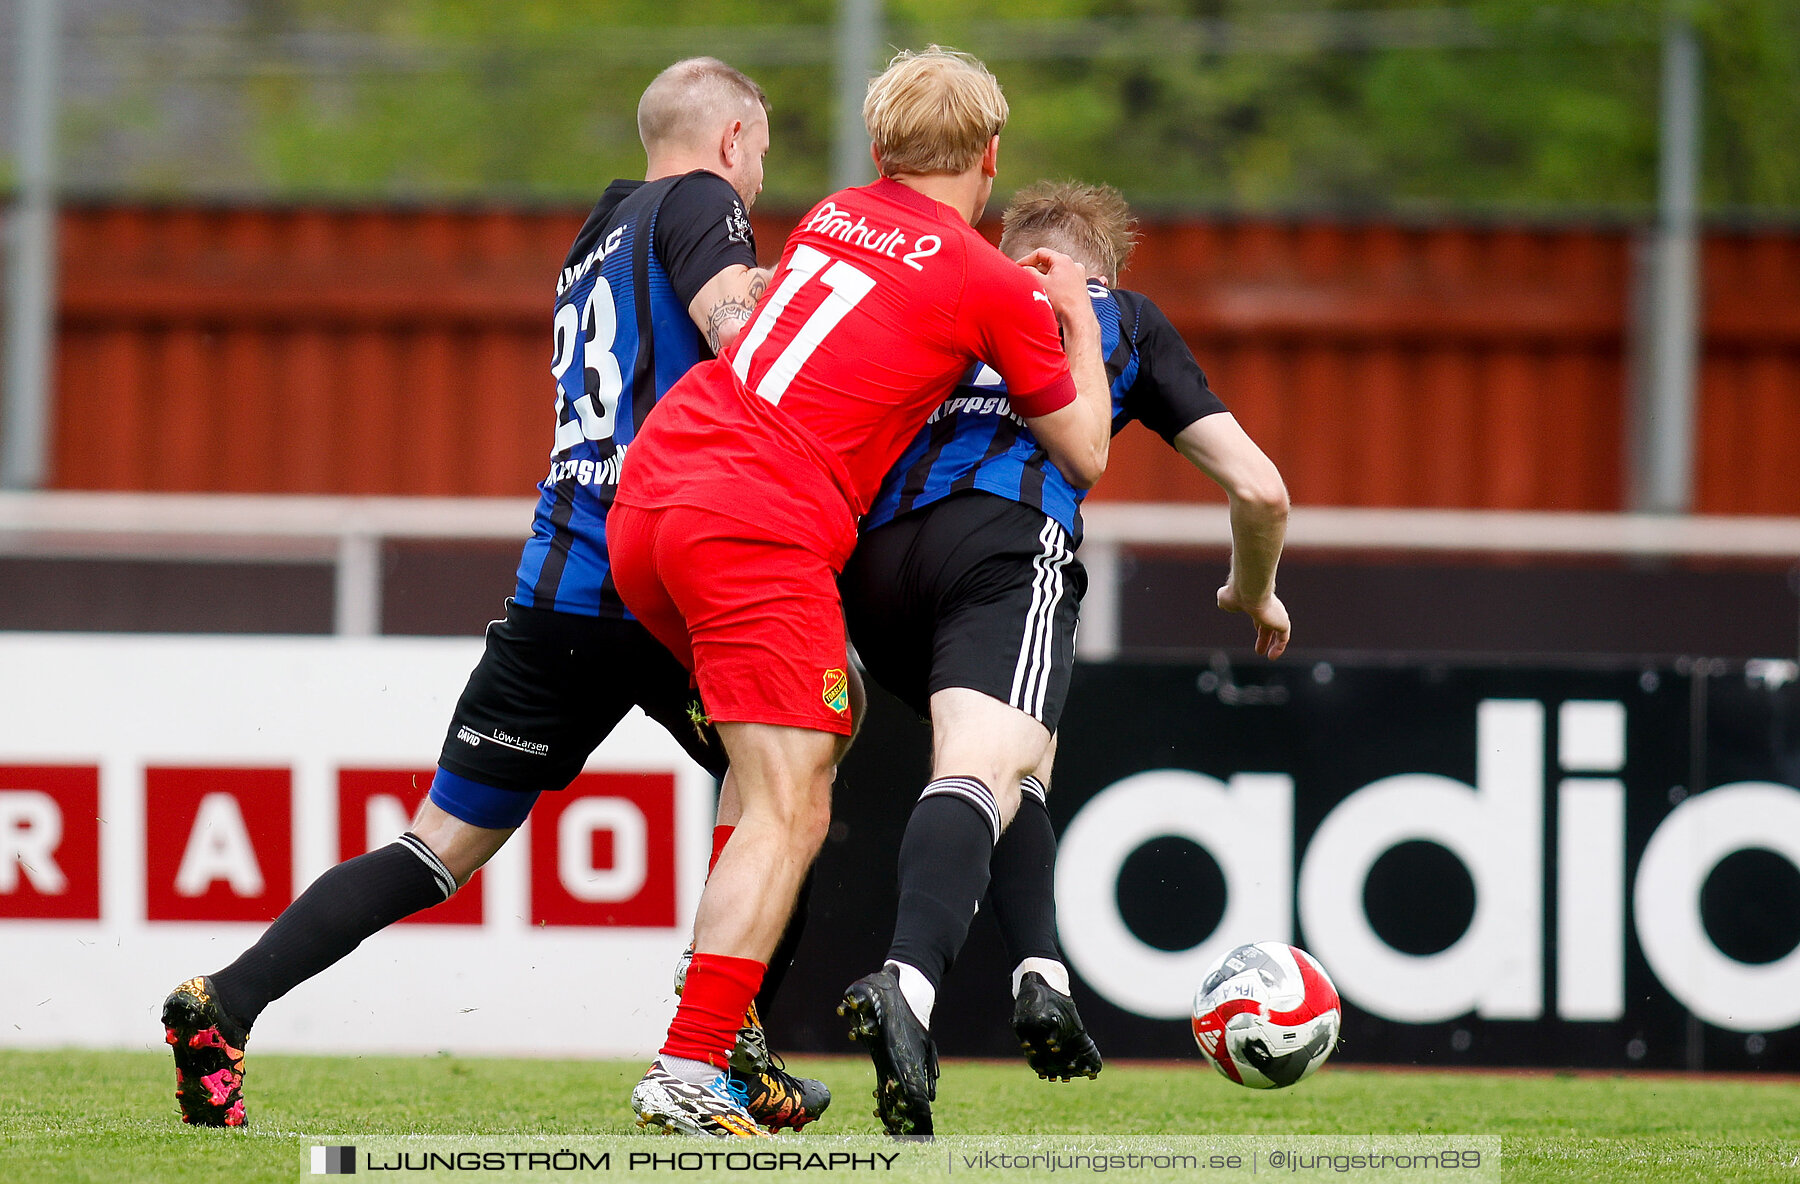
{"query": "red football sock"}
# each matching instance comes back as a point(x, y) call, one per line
point(721, 836)
point(719, 990)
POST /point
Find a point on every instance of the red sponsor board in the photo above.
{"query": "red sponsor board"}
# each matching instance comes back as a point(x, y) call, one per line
point(50, 842)
point(219, 844)
point(603, 852)
point(375, 806)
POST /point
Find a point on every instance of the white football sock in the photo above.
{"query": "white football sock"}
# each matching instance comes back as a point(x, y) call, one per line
point(1054, 972)
point(920, 995)
point(692, 1072)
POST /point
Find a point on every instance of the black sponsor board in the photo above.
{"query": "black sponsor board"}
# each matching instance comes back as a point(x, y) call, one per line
point(1546, 785)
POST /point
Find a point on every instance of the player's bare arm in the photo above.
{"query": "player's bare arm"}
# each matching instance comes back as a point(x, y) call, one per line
point(723, 306)
point(1079, 435)
point(1218, 446)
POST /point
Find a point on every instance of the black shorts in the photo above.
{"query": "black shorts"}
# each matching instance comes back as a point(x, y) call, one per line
point(551, 686)
point(972, 591)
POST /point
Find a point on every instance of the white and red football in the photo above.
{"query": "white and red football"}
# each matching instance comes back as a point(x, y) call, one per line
point(1266, 1015)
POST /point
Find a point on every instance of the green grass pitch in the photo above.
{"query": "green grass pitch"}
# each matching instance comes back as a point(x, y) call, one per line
point(102, 1117)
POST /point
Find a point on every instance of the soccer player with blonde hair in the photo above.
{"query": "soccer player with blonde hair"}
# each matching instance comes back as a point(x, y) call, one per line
point(738, 505)
point(962, 599)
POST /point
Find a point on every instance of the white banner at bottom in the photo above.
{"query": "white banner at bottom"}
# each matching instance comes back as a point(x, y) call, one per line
point(163, 798)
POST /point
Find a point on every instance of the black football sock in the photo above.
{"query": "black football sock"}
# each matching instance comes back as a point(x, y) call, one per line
point(356, 898)
point(943, 873)
point(782, 960)
point(1022, 892)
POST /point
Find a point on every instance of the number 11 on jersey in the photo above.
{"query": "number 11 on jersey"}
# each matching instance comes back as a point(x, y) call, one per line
point(848, 287)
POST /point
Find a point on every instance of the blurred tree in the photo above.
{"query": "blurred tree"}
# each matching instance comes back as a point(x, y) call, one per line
point(529, 99)
point(1752, 102)
point(1407, 105)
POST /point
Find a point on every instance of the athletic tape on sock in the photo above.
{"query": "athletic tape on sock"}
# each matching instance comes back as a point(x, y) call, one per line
point(1055, 974)
point(691, 1071)
point(917, 990)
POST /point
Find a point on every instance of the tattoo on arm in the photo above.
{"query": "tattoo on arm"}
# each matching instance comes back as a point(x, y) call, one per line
point(733, 311)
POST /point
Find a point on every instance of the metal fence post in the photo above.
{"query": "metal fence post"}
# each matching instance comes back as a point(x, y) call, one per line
point(31, 261)
point(358, 612)
point(858, 36)
point(1663, 447)
point(1097, 638)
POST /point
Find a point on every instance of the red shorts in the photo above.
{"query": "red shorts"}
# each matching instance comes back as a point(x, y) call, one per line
point(760, 623)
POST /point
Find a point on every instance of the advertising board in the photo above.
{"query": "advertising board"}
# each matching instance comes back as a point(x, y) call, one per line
point(163, 798)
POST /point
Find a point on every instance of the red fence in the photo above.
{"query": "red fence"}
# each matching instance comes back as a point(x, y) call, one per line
point(389, 351)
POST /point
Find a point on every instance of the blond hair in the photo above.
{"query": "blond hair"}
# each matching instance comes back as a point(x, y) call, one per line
point(933, 112)
point(1089, 223)
point(690, 102)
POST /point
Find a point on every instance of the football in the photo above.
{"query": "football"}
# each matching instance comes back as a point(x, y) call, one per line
point(1266, 1015)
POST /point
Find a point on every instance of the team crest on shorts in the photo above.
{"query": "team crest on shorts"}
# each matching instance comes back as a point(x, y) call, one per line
point(837, 690)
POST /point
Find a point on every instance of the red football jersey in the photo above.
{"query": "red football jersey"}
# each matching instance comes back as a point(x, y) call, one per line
point(882, 301)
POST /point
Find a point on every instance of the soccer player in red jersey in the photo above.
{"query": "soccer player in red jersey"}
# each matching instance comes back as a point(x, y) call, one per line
point(739, 500)
point(662, 272)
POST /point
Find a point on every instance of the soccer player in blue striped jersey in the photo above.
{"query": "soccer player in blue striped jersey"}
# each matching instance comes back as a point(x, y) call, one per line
point(962, 598)
point(662, 274)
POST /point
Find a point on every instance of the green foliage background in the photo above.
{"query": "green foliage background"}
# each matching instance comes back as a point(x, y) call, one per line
point(1533, 107)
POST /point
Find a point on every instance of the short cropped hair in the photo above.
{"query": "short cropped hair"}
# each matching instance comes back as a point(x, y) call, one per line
point(1089, 223)
point(685, 104)
point(933, 111)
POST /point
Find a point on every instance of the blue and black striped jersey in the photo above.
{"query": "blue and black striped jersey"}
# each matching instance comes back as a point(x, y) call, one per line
point(976, 441)
point(622, 338)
